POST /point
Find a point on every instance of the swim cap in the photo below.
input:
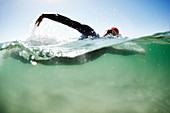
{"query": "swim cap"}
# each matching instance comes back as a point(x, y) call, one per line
point(115, 29)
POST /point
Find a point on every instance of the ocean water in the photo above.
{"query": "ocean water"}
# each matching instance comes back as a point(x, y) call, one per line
point(131, 77)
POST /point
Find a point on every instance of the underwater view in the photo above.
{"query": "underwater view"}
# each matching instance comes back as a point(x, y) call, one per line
point(131, 77)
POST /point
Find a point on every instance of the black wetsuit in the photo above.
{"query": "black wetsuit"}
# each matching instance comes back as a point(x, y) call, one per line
point(85, 30)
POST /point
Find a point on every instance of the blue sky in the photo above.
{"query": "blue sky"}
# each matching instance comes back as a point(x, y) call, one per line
point(133, 18)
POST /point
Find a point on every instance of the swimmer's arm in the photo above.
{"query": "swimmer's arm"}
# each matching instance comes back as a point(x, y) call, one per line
point(84, 29)
point(58, 18)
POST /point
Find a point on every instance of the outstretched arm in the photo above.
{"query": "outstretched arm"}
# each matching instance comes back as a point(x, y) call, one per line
point(84, 29)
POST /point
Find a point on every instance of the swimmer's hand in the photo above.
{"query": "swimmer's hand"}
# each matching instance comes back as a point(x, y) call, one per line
point(39, 20)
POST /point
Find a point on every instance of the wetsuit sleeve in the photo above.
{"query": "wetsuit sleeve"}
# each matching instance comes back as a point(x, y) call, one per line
point(84, 29)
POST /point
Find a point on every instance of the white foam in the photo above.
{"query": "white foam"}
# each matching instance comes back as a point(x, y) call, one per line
point(51, 30)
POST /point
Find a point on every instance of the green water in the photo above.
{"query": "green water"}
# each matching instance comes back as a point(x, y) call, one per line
point(112, 83)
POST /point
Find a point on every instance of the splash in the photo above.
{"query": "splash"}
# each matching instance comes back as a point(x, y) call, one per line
point(58, 32)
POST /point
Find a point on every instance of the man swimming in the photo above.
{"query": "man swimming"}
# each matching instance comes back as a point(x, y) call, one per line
point(85, 30)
